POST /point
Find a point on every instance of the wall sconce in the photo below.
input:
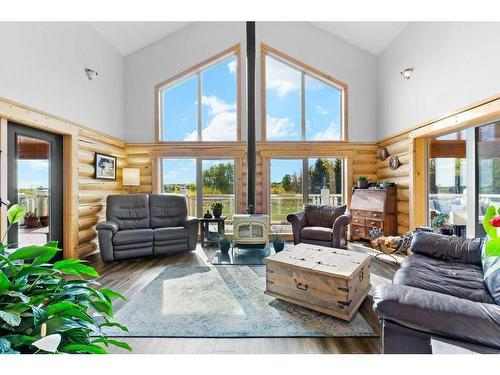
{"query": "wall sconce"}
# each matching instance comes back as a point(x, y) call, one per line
point(407, 73)
point(91, 73)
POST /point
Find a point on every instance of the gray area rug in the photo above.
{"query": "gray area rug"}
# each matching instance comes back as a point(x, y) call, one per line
point(224, 301)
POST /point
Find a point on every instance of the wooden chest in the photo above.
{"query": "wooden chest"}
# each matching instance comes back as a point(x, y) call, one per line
point(373, 208)
point(331, 281)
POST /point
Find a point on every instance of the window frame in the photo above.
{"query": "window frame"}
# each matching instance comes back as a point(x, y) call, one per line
point(197, 70)
point(304, 69)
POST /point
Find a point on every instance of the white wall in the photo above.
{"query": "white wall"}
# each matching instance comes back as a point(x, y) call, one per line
point(191, 45)
point(42, 66)
point(456, 64)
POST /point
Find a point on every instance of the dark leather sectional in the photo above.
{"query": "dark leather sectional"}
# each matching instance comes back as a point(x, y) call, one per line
point(144, 225)
point(439, 292)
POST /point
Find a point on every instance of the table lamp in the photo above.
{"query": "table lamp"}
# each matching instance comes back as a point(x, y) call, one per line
point(132, 177)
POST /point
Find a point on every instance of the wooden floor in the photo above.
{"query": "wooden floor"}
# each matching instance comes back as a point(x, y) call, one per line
point(131, 276)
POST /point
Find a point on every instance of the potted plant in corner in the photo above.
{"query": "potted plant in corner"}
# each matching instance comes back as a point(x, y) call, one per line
point(51, 307)
point(31, 220)
point(277, 239)
point(362, 182)
point(441, 225)
point(224, 244)
point(217, 209)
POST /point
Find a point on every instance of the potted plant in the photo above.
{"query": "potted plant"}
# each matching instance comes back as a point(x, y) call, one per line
point(362, 182)
point(51, 307)
point(440, 223)
point(224, 244)
point(44, 221)
point(217, 209)
point(31, 220)
point(277, 239)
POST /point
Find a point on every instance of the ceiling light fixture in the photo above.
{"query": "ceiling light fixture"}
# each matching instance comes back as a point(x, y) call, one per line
point(407, 73)
point(91, 73)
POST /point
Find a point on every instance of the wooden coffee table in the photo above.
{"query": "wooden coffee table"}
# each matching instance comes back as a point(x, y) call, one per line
point(331, 281)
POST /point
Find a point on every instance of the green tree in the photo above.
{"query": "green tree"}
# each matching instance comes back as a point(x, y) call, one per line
point(286, 183)
point(319, 175)
point(219, 178)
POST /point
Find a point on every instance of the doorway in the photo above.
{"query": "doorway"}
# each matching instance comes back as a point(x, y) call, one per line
point(35, 181)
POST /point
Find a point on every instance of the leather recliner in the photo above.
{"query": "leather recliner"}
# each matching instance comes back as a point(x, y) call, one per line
point(140, 225)
point(321, 225)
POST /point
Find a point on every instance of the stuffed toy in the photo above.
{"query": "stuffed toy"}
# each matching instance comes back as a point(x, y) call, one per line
point(491, 224)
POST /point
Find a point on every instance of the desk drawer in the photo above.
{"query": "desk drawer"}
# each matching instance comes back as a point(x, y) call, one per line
point(356, 220)
point(368, 214)
point(370, 223)
point(358, 231)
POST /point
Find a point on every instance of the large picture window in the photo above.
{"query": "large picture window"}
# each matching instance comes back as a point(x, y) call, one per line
point(291, 187)
point(203, 181)
point(301, 104)
point(201, 104)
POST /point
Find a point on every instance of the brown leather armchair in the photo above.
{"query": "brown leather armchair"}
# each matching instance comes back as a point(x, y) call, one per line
point(321, 225)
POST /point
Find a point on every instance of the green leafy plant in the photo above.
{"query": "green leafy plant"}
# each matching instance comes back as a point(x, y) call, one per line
point(224, 243)
point(31, 215)
point(440, 221)
point(362, 178)
point(217, 209)
point(51, 307)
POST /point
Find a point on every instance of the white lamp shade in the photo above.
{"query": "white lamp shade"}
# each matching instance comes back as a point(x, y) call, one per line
point(131, 176)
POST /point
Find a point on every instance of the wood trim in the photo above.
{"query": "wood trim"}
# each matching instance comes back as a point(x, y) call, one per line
point(266, 49)
point(418, 183)
point(3, 169)
point(70, 204)
point(236, 50)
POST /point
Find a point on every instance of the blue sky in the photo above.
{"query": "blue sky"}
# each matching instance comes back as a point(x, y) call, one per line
point(33, 173)
point(283, 104)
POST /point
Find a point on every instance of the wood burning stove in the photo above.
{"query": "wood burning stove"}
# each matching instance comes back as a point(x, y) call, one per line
point(250, 230)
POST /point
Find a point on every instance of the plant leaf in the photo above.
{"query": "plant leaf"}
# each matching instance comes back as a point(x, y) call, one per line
point(48, 343)
point(39, 315)
point(5, 347)
point(107, 341)
point(61, 324)
point(11, 318)
point(54, 244)
point(13, 293)
point(79, 348)
point(4, 282)
point(114, 324)
point(111, 294)
point(78, 269)
point(15, 213)
point(32, 252)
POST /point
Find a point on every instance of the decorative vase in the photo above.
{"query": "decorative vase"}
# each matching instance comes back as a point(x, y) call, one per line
point(217, 212)
point(278, 246)
point(44, 221)
point(362, 184)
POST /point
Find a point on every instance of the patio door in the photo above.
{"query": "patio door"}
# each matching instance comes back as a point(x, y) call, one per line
point(35, 180)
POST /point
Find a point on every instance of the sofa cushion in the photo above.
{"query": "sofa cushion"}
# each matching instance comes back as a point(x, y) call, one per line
point(491, 270)
point(128, 211)
point(170, 233)
point(322, 216)
point(131, 236)
point(167, 210)
point(455, 279)
point(317, 233)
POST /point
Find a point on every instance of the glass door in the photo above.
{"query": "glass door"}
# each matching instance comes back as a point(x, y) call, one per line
point(35, 182)
point(488, 170)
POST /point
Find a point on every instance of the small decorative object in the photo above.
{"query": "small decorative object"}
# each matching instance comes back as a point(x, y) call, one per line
point(277, 239)
point(384, 184)
point(44, 221)
point(250, 210)
point(31, 220)
point(90, 73)
point(224, 244)
point(394, 162)
point(217, 209)
point(105, 167)
point(407, 73)
point(491, 224)
point(383, 153)
point(207, 215)
point(440, 223)
point(362, 182)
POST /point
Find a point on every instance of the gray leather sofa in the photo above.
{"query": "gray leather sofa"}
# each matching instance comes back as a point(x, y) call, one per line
point(140, 225)
point(439, 293)
point(321, 225)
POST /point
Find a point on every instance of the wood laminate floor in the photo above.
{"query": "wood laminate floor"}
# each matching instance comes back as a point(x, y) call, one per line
point(131, 276)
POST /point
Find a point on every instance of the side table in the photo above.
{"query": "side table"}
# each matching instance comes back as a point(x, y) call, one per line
point(206, 237)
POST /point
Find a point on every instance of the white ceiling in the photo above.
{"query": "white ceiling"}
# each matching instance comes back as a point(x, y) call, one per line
point(128, 37)
point(373, 37)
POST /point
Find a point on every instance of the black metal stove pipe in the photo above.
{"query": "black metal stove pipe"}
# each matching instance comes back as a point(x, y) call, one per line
point(251, 145)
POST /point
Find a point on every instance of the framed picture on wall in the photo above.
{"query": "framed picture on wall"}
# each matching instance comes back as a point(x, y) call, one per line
point(105, 167)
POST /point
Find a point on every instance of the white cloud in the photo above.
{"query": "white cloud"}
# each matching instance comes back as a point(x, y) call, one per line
point(279, 127)
point(41, 165)
point(222, 125)
point(232, 67)
point(321, 110)
point(170, 175)
point(330, 133)
point(281, 78)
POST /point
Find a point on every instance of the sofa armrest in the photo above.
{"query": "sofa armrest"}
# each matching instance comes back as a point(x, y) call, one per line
point(107, 225)
point(191, 223)
point(439, 314)
point(447, 248)
point(339, 235)
point(298, 221)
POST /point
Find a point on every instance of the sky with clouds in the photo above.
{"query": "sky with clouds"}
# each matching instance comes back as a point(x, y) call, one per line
point(33, 173)
point(322, 106)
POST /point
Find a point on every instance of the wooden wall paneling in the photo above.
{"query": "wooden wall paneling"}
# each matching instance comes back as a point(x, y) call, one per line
point(70, 212)
point(418, 183)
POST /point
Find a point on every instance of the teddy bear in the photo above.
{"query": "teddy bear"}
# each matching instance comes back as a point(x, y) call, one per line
point(491, 224)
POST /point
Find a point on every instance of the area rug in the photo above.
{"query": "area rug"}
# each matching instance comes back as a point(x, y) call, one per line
point(224, 301)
